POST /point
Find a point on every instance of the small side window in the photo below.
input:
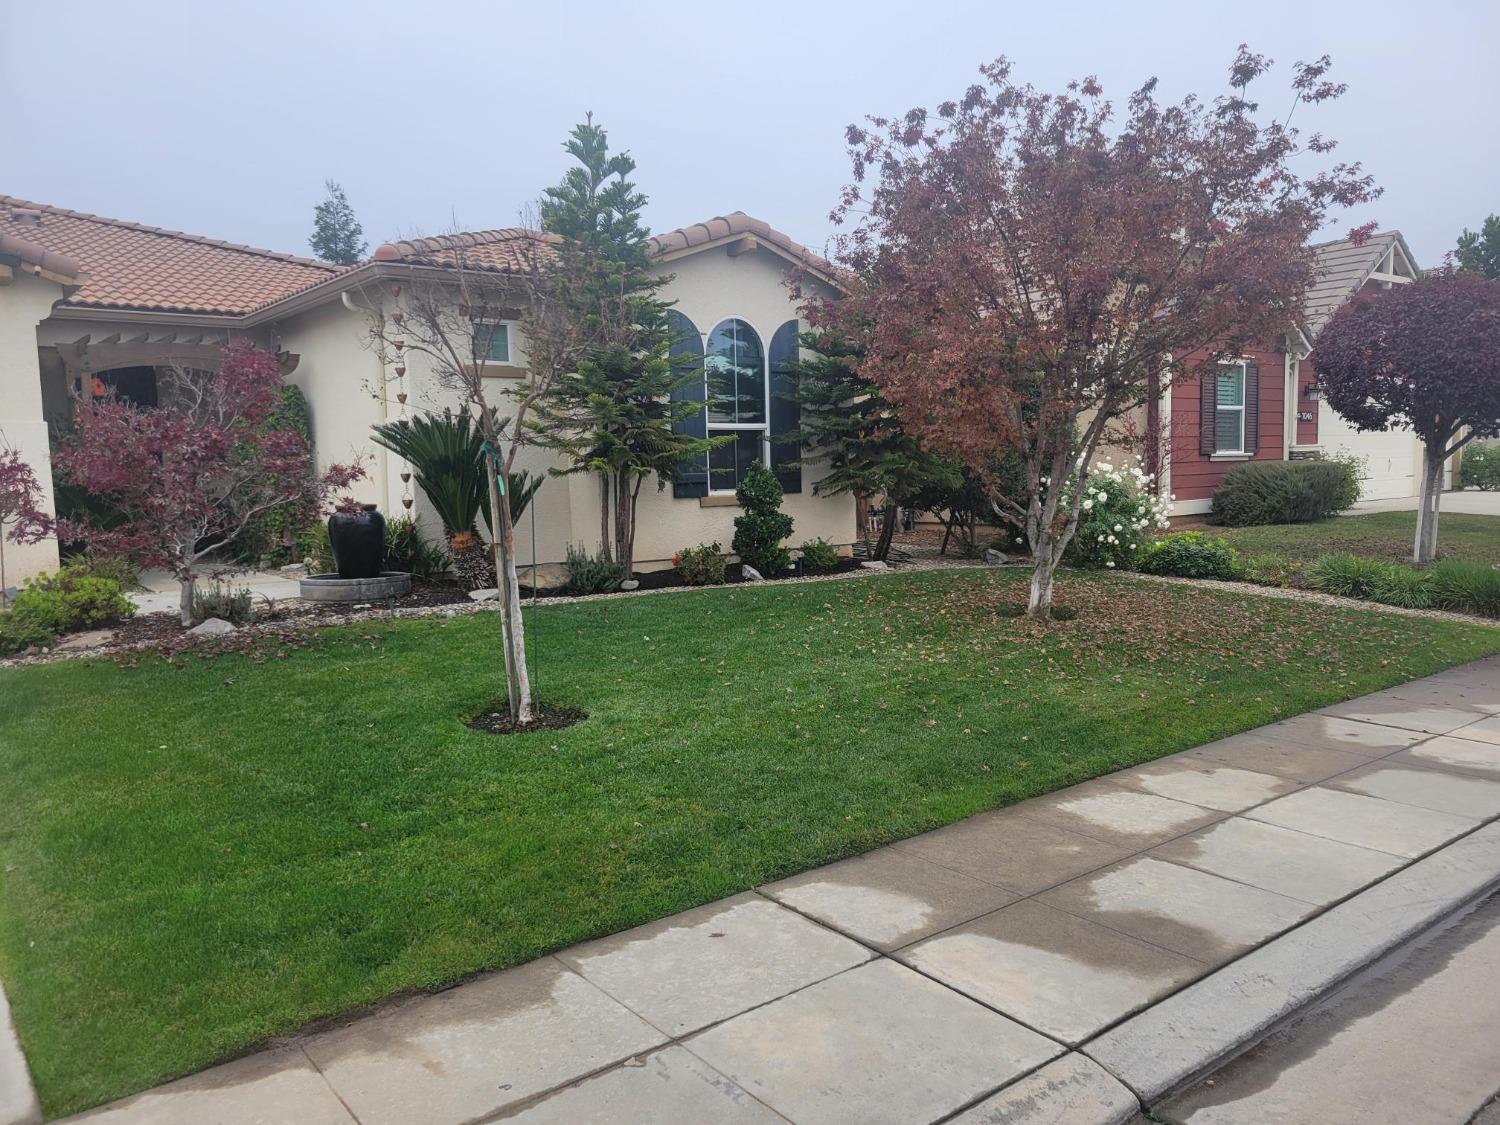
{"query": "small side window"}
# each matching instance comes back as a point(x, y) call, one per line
point(1229, 410)
point(491, 342)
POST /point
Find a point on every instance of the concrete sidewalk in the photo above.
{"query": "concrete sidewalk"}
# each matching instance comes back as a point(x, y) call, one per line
point(973, 974)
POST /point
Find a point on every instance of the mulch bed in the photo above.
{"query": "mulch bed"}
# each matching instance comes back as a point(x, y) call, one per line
point(495, 719)
point(669, 579)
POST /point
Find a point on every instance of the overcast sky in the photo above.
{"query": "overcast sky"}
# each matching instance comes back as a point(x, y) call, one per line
point(224, 119)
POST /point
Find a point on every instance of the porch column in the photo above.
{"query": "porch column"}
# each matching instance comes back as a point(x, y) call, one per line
point(25, 301)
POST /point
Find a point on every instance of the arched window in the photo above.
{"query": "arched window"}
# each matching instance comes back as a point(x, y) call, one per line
point(734, 364)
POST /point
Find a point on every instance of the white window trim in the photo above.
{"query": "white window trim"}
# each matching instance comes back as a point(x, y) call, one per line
point(1237, 453)
point(710, 426)
point(510, 342)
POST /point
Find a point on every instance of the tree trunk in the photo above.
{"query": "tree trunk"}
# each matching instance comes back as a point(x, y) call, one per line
point(605, 508)
point(947, 523)
point(512, 627)
point(1039, 605)
point(887, 533)
point(1424, 548)
point(185, 598)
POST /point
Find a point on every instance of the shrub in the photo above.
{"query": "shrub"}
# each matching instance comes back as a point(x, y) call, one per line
point(118, 568)
point(591, 574)
point(1264, 492)
point(1118, 514)
point(1269, 569)
point(406, 548)
point(1403, 586)
point(224, 602)
point(21, 629)
point(61, 603)
point(1189, 554)
point(1346, 575)
point(702, 565)
point(1465, 586)
point(820, 557)
point(758, 532)
point(1480, 467)
point(315, 549)
point(1355, 471)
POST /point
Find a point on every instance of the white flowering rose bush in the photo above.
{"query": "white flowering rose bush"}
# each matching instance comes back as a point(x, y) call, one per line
point(1119, 516)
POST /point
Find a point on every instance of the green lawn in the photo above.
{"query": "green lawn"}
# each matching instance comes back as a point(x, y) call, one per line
point(1379, 535)
point(197, 858)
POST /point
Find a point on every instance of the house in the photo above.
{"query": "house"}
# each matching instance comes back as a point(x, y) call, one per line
point(1265, 405)
point(95, 304)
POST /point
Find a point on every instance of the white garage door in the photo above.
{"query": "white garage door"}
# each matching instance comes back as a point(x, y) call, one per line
point(1392, 459)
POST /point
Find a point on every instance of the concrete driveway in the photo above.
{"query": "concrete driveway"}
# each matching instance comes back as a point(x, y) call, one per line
point(1470, 501)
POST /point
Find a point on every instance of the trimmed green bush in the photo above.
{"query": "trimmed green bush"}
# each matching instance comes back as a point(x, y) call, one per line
point(1189, 554)
point(66, 602)
point(819, 557)
point(703, 565)
point(1264, 492)
point(591, 574)
point(1480, 467)
point(1344, 574)
point(758, 533)
point(1466, 587)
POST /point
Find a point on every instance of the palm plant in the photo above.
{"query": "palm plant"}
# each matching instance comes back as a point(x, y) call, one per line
point(447, 457)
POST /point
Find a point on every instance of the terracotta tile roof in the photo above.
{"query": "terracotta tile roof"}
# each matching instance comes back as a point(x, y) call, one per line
point(129, 266)
point(508, 250)
point(47, 261)
point(738, 224)
point(1343, 267)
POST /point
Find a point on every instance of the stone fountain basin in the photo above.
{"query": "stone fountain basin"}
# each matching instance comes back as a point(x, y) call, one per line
point(332, 588)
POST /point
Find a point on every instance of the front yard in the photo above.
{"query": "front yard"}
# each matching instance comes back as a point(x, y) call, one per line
point(198, 858)
point(1386, 536)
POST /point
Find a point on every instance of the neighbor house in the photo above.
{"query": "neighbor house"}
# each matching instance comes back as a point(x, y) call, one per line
point(92, 305)
point(1265, 405)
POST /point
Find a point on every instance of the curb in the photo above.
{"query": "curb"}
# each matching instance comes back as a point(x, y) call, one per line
point(18, 1101)
point(1160, 1050)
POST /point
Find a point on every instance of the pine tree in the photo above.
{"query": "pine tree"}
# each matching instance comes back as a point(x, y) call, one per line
point(1479, 251)
point(848, 424)
point(337, 235)
point(614, 414)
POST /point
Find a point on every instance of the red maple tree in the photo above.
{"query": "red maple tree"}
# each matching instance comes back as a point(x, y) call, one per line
point(1034, 269)
point(1424, 356)
point(192, 474)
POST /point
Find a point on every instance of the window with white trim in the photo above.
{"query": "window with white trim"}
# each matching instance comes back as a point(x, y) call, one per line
point(1229, 409)
point(491, 341)
point(734, 363)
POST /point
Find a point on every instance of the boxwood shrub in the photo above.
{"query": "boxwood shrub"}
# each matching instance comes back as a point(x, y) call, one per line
point(1189, 554)
point(1263, 492)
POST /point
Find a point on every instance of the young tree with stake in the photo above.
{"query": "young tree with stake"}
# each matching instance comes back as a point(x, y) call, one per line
point(1424, 356)
point(1030, 265)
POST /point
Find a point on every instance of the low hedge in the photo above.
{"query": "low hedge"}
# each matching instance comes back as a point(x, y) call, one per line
point(1189, 554)
point(1263, 492)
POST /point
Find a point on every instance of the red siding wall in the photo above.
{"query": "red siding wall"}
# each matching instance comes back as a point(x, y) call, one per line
point(1194, 476)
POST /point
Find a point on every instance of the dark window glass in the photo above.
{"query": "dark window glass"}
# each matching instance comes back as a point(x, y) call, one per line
point(736, 366)
point(728, 464)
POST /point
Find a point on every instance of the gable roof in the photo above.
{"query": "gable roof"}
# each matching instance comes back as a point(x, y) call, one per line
point(734, 226)
point(1343, 268)
point(130, 266)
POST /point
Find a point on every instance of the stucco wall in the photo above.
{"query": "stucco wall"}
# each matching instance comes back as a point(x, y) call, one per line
point(23, 305)
point(342, 380)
